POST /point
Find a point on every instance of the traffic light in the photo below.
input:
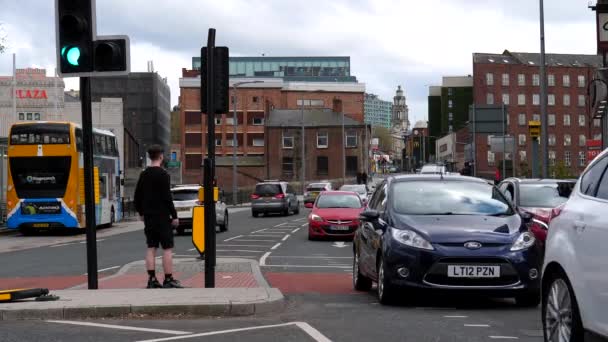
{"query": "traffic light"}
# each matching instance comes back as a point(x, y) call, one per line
point(111, 54)
point(75, 30)
point(220, 81)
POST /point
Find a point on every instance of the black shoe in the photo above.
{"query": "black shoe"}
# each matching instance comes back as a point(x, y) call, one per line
point(172, 284)
point(153, 283)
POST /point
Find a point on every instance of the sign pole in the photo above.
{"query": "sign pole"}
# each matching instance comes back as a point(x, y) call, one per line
point(534, 157)
point(504, 144)
point(89, 190)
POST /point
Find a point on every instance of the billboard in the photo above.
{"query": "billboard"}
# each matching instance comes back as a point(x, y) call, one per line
point(487, 119)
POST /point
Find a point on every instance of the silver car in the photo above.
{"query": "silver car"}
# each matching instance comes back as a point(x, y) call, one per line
point(360, 189)
point(185, 197)
point(274, 197)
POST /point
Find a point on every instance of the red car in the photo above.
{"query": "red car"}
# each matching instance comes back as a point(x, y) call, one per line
point(335, 214)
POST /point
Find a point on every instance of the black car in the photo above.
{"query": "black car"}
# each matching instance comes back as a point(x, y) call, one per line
point(449, 233)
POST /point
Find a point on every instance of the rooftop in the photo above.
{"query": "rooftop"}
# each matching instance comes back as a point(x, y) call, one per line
point(533, 59)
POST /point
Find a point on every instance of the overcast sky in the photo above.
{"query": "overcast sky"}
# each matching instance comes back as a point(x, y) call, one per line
point(390, 42)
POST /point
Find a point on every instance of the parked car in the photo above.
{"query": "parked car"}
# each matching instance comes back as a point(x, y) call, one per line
point(335, 214)
point(274, 197)
point(575, 272)
point(433, 169)
point(450, 233)
point(313, 190)
point(537, 197)
point(360, 189)
point(185, 197)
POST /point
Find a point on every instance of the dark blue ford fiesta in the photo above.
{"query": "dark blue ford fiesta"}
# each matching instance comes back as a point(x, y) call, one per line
point(449, 233)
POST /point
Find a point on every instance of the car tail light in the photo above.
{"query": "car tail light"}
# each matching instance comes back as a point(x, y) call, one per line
point(254, 196)
point(555, 212)
point(279, 196)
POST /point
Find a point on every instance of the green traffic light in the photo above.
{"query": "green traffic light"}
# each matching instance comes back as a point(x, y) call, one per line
point(71, 54)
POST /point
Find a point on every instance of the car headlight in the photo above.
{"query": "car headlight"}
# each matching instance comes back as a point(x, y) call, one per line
point(316, 217)
point(411, 238)
point(524, 240)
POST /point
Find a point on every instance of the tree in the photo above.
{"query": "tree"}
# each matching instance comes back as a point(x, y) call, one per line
point(385, 139)
point(524, 170)
point(561, 171)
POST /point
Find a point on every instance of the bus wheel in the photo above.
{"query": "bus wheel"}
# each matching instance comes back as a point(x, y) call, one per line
point(26, 231)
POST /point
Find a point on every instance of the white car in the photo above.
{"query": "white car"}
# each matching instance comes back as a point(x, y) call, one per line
point(432, 169)
point(575, 271)
point(185, 197)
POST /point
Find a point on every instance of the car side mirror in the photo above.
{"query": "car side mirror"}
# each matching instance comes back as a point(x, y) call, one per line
point(369, 215)
point(527, 217)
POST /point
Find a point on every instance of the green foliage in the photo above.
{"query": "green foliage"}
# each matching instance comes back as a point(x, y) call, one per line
point(560, 171)
point(385, 139)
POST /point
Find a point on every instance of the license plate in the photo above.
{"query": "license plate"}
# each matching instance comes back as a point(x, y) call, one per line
point(473, 271)
point(41, 225)
point(183, 209)
point(340, 227)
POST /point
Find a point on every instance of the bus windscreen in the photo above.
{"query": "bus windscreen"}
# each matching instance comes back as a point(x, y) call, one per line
point(40, 133)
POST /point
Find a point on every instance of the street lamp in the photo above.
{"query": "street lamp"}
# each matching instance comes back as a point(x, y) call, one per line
point(234, 138)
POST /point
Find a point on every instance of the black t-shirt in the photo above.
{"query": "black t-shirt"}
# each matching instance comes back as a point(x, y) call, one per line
point(153, 193)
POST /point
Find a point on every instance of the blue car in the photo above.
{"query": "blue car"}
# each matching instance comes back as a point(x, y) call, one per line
point(445, 233)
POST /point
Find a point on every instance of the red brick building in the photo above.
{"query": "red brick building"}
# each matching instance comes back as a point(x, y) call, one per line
point(513, 79)
point(254, 102)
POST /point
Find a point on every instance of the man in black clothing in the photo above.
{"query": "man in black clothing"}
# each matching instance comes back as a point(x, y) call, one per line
point(154, 204)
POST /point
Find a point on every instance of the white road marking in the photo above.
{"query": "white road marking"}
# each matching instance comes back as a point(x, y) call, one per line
point(232, 238)
point(281, 224)
point(260, 246)
point(477, 325)
point(98, 240)
point(266, 234)
point(455, 316)
point(295, 231)
point(248, 240)
point(309, 257)
point(285, 238)
point(301, 219)
point(504, 337)
point(307, 266)
point(260, 230)
point(280, 229)
point(304, 225)
point(237, 256)
point(276, 246)
point(122, 327)
point(307, 328)
point(63, 244)
point(263, 259)
point(339, 244)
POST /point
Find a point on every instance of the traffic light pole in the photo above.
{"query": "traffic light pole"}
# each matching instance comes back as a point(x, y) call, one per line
point(89, 190)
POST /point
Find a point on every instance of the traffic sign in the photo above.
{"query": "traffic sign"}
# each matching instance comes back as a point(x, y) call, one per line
point(173, 164)
point(534, 128)
point(198, 228)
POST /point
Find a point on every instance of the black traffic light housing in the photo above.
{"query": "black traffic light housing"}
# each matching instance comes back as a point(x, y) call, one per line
point(221, 84)
point(111, 54)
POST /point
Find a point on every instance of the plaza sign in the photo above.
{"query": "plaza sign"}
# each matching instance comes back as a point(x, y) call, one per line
point(31, 94)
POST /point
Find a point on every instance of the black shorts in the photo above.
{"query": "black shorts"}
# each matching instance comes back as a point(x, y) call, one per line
point(158, 231)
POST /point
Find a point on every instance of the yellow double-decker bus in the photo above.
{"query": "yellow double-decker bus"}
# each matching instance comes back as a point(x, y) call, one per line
point(45, 188)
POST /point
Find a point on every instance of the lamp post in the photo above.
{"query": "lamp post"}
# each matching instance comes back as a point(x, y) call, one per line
point(234, 137)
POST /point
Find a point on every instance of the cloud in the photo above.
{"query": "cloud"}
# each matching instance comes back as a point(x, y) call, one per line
point(391, 42)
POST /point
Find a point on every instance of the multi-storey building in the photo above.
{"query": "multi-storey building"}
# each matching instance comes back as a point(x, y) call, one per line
point(377, 111)
point(513, 79)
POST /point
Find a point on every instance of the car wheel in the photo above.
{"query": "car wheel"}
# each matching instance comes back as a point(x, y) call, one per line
point(560, 313)
point(224, 226)
point(180, 230)
point(286, 211)
point(360, 282)
point(254, 213)
point(528, 300)
point(297, 211)
point(385, 289)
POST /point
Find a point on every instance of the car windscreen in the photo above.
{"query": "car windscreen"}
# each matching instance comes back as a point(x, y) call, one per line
point(185, 195)
point(316, 187)
point(338, 201)
point(268, 189)
point(448, 198)
point(356, 188)
point(544, 195)
point(430, 170)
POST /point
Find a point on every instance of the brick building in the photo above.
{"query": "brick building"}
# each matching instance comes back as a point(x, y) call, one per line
point(513, 79)
point(254, 103)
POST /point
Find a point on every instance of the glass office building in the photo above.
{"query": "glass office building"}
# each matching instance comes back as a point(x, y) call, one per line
point(312, 69)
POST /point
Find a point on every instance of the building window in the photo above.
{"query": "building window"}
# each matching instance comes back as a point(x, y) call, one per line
point(505, 99)
point(551, 100)
point(287, 140)
point(581, 120)
point(566, 119)
point(582, 159)
point(582, 140)
point(521, 99)
point(491, 158)
point(450, 104)
point(21, 116)
point(255, 99)
point(37, 116)
point(536, 117)
point(322, 140)
point(322, 166)
point(552, 158)
point(490, 98)
point(287, 166)
point(551, 80)
point(229, 121)
point(259, 142)
point(536, 80)
point(193, 118)
point(450, 91)
point(522, 140)
point(311, 103)
point(218, 121)
point(581, 81)
point(567, 140)
point(552, 139)
point(508, 119)
point(566, 80)
point(521, 119)
point(218, 141)
point(535, 99)
point(351, 165)
point(597, 136)
point(351, 139)
point(597, 122)
point(521, 80)
point(258, 121)
point(566, 100)
point(230, 141)
point(29, 116)
point(505, 80)
point(551, 119)
point(567, 158)
point(193, 139)
point(490, 79)
point(581, 100)
point(194, 161)
point(522, 156)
